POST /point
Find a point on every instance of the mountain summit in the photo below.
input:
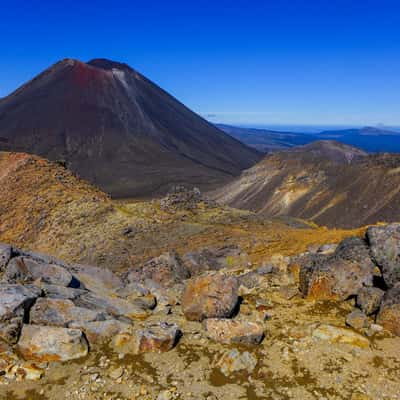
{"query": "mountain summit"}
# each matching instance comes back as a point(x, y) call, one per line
point(118, 130)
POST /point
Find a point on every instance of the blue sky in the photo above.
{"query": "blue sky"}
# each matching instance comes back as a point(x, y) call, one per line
point(254, 62)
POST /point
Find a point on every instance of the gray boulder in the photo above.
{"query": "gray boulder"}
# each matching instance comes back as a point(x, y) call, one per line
point(211, 296)
point(207, 259)
point(61, 312)
point(166, 270)
point(339, 276)
point(47, 343)
point(14, 306)
point(96, 279)
point(60, 292)
point(26, 270)
point(385, 248)
point(101, 332)
point(153, 338)
point(114, 306)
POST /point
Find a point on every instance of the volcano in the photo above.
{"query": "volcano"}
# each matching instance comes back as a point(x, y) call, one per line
point(118, 130)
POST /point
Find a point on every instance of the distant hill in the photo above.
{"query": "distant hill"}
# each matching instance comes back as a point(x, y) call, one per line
point(267, 140)
point(327, 182)
point(118, 130)
point(370, 139)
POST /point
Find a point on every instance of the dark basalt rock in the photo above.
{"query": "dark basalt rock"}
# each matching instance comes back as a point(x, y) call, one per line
point(385, 249)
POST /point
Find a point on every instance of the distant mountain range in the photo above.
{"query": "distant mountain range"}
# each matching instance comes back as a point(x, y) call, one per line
point(370, 139)
point(118, 130)
point(328, 182)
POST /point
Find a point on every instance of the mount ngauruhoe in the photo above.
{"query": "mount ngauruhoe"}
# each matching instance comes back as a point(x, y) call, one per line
point(118, 130)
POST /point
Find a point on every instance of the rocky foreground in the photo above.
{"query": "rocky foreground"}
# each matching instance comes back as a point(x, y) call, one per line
point(324, 324)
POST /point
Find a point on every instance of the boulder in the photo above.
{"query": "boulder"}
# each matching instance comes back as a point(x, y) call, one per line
point(101, 332)
point(234, 331)
point(356, 250)
point(114, 306)
point(154, 338)
point(5, 255)
point(207, 259)
point(26, 270)
point(96, 279)
point(338, 280)
point(385, 248)
point(60, 292)
point(46, 343)
point(14, 306)
point(357, 320)
point(165, 296)
point(369, 299)
point(166, 270)
point(334, 334)
point(201, 261)
point(339, 276)
point(211, 296)
point(61, 312)
point(301, 269)
point(389, 313)
point(235, 361)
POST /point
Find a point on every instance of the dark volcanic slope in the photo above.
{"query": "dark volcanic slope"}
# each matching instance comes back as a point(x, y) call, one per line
point(328, 182)
point(118, 130)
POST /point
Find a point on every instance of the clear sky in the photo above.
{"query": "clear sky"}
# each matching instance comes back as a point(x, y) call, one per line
point(256, 62)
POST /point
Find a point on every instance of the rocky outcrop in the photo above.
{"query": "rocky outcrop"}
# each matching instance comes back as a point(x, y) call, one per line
point(362, 269)
point(181, 198)
point(56, 308)
point(210, 296)
point(385, 248)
